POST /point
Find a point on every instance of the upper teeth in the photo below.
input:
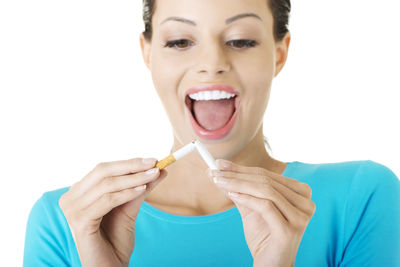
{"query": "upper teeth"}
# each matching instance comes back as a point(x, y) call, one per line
point(211, 95)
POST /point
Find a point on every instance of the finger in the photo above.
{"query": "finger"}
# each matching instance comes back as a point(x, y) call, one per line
point(265, 191)
point(108, 169)
point(295, 198)
point(151, 185)
point(132, 206)
point(299, 187)
point(109, 201)
point(266, 209)
point(115, 184)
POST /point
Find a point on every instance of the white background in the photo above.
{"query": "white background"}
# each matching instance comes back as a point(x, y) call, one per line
point(74, 91)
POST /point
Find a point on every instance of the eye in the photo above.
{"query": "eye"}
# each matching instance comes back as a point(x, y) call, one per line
point(182, 43)
point(243, 43)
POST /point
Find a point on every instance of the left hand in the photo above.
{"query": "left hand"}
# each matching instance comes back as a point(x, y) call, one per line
point(275, 211)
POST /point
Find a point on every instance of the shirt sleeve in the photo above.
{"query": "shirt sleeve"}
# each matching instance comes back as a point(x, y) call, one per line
point(44, 238)
point(372, 218)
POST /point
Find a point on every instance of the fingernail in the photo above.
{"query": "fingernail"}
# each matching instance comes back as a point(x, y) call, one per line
point(142, 187)
point(151, 171)
point(148, 160)
point(223, 163)
point(233, 194)
point(220, 180)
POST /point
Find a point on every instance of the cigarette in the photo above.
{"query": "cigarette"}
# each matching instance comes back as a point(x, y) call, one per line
point(176, 155)
point(208, 158)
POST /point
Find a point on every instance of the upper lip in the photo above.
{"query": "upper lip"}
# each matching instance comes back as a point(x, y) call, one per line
point(209, 87)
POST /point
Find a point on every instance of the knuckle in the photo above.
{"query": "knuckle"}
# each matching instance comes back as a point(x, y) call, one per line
point(266, 186)
point(268, 206)
point(100, 165)
point(107, 183)
point(259, 171)
point(268, 190)
point(135, 164)
point(108, 198)
point(74, 186)
point(302, 221)
point(313, 207)
point(306, 189)
point(61, 202)
point(74, 189)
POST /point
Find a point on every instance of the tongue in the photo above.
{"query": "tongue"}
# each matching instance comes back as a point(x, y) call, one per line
point(213, 114)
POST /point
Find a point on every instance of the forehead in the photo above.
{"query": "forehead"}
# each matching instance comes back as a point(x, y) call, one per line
point(215, 12)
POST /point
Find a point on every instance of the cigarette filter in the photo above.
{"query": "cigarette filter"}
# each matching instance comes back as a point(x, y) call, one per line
point(180, 153)
point(208, 158)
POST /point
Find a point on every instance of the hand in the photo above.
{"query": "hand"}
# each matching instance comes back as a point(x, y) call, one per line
point(101, 210)
point(275, 211)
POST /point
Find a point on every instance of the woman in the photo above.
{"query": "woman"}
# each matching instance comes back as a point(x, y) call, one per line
point(352, 218)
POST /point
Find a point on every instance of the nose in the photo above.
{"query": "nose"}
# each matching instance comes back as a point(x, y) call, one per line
point(213, 59)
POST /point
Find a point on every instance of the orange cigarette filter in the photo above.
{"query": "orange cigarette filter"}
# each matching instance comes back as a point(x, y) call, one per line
point(180, 153)
point(165, 162)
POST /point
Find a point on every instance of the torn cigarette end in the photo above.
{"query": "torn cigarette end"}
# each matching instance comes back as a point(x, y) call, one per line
point(165, 162)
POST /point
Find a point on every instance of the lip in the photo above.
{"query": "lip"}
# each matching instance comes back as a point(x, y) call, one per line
point(216, 134)
point(209, 87)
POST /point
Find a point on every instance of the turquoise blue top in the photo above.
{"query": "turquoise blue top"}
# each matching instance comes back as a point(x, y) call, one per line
point(356, 223)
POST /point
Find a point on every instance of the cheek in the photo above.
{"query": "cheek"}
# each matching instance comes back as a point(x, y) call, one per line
point(257, 67)
point(256, 75)
point(167, 68)
point(167, 72)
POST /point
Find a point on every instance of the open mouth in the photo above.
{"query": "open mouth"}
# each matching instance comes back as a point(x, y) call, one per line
point(213, 119)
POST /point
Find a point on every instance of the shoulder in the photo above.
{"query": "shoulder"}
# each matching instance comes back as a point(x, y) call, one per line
point(46, 208)
point(49, 199)
point(375, 174)
point(374, 185)
point(348, 184)
point(365, 173)
point(47, 237)
point(372, 217)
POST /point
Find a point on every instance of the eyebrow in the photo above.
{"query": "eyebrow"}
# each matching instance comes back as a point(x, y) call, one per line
point(227, 21)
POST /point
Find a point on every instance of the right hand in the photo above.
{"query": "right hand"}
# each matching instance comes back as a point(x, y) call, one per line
point(101, 210)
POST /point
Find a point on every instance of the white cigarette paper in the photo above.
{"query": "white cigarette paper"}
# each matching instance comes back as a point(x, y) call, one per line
point(208, 158)
point(184, 151)
point(180, 153)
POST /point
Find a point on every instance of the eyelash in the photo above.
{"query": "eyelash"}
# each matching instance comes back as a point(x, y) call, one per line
point(247, 43)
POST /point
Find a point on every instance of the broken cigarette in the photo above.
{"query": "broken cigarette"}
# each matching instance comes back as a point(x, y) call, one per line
point(208, 158)
point(180, 153)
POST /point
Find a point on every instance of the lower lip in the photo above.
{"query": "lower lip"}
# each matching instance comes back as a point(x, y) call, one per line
point(219, 133)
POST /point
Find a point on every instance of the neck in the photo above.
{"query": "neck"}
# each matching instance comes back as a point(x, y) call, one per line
point(188, 184)
point(252, 154)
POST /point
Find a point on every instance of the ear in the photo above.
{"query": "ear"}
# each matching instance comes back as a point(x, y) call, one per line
point(282, 50)
point(145, 46)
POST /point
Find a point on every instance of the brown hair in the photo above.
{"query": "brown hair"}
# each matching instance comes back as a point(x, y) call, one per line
point(280, 12)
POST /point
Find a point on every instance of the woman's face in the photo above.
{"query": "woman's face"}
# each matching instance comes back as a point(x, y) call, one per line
point(209, 55)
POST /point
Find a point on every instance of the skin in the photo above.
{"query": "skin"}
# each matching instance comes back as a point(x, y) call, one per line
point(101, 208)
point(207, 57)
